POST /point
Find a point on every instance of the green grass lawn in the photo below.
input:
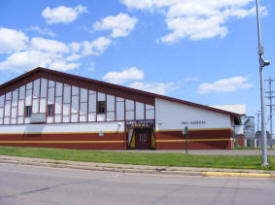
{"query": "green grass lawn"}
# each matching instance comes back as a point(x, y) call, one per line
point(141, 158)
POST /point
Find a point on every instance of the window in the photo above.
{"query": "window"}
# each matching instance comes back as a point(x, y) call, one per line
point(51, 110)
point(101, 107)
point(28, 111)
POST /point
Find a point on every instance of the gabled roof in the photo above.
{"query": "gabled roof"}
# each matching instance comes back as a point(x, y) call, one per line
point(100, 86)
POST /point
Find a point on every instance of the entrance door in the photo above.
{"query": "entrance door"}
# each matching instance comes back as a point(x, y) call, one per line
point(143, 138)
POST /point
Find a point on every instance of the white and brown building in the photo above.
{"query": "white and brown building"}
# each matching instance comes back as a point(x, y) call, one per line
point(46, 108)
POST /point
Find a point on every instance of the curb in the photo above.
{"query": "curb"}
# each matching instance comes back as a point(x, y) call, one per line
point(109, 169)
point(156, 170)
point(237, 174)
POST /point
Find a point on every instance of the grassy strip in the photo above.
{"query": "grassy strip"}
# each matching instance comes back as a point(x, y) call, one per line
point(141, 158)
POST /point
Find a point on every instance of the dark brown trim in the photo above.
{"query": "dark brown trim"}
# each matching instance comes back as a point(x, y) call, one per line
point(115, 108)
point(32, 95)
point(87, 109)
point(135, 107)
point(54, 99)
point(47, 100)
point(62, 103)
point(25, 98)
point(17, 109)
point(10, 120)
point(96, 106)
point(39, 97)
point(124, 117)
point(79, 104)
point(105, 107)
point(4, 110)
point(144, 108)
point(71, 104)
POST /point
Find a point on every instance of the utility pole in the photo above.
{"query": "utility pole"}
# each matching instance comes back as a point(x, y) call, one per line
point(258, 121)
point(262, 64)
point(270, 96)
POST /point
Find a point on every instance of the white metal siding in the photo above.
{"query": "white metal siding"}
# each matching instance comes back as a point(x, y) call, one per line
point(172, 115)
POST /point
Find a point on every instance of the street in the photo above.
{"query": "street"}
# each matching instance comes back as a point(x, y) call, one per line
point(29, 185)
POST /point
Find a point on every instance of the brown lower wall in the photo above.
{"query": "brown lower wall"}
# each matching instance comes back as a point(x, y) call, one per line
point(197, 139)
point(110, 141)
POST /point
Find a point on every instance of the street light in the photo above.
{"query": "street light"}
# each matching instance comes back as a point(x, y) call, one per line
point(262, 64)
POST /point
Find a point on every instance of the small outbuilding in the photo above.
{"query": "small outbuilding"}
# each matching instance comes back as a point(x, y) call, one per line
point(46, 108)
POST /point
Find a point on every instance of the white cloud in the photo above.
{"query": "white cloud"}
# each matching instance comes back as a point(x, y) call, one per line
point(63, 65)
point(25, 54)
point(12, 40)
point(196, 19)
point(125, 75)
point(42, 31)
point(96, 47)
point(75, 46)
point(121, 25)
point(73, 57)
point(49, 45)
point(62, 14)
point(26, 60)
point(154, 87)
point(134, 76)
point(225, 85)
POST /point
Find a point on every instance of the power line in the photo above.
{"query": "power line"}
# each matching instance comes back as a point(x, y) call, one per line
point(270, 97)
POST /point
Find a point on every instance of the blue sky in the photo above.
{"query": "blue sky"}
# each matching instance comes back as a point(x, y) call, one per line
point(200, 51)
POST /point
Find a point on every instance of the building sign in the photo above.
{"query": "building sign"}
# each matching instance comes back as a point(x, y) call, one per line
point(140, 123)
point(194, 122)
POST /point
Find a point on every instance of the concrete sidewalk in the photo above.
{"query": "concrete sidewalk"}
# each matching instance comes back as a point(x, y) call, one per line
point(208, 152)
point(129, 168)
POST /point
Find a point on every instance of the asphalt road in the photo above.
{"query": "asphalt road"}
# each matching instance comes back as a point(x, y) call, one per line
point(30, 185)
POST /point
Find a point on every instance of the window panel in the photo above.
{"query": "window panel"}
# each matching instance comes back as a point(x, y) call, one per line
point(22, 92)
point(36, 88)
point(59, 89)
point(110, 103)
point(28, 111)
point(139, 111)
point(51, 95)
point(129, 105)
point(75, 90)
point(92, 116)
point(129, 115)
point(92, 103)
point(100, 97)
point(110, 116)
point(83, 95)
point(58, 105)
point(75, 104)
point(101, 107)
point(43, 87)
point(120, 110)
point(83, 108)
point(67, 94)
point(50, 110)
